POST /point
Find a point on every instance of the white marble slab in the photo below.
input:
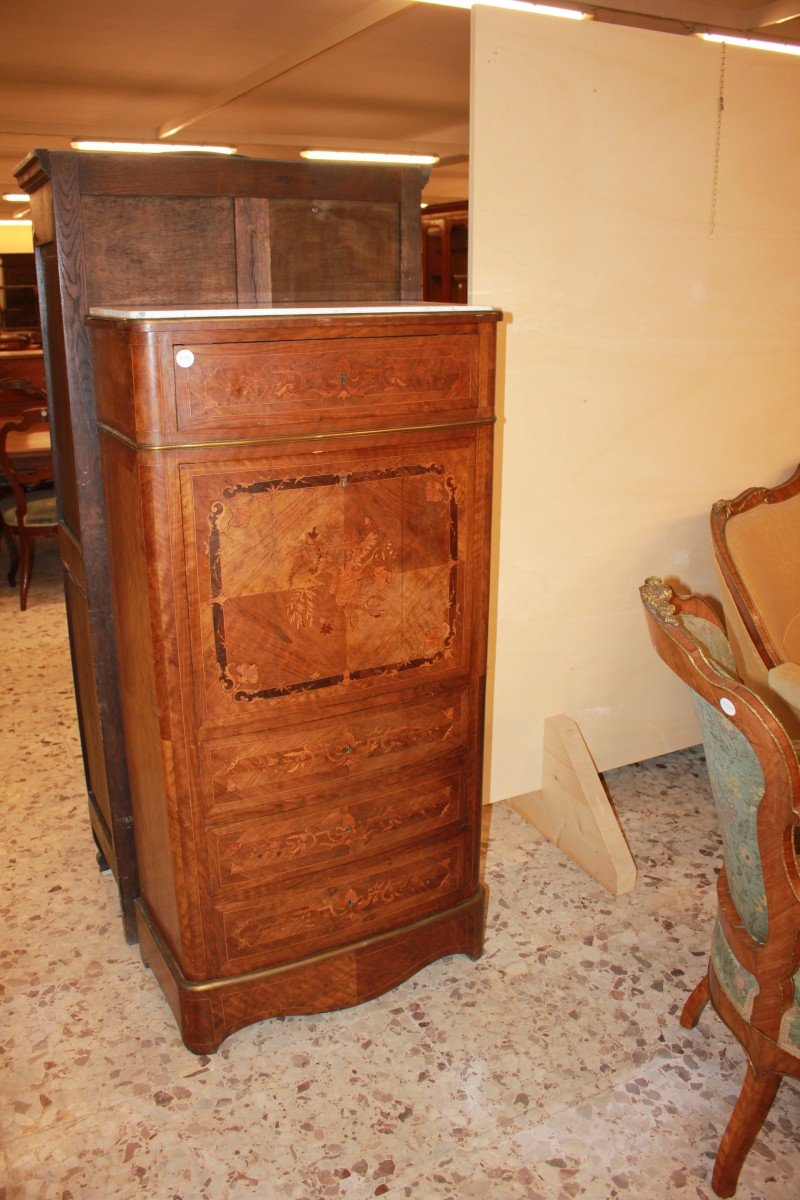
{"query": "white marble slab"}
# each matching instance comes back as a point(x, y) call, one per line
point(287, 310)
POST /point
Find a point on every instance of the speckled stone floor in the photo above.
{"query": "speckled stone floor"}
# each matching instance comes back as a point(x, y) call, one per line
point(553, 1068)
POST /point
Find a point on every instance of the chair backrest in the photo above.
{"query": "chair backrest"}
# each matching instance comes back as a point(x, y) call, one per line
point(25, 450)
point(755, 781)
point(756, 540)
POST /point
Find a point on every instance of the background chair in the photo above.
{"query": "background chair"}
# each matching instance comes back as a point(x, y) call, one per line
point(756, 540)
point(753, 978)
point(26, 463)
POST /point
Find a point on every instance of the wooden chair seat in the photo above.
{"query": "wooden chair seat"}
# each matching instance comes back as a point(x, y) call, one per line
point(753, 978)
point(40, 510)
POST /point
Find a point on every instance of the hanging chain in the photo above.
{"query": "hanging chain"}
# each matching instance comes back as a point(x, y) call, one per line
point(720, 110)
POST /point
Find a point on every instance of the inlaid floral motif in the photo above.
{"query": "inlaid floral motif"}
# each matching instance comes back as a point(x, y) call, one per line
point(339, 907)
point(355, 572)
point(251, 853)
point(345, 749)
point(251, 382)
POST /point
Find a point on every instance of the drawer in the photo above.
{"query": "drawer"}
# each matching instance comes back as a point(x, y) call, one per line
point(339, 907)
point(308, 384)
point(372, 819)
point(268, 770)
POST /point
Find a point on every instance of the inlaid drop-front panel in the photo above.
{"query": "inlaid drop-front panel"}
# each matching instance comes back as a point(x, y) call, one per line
point(227, 385)
point(321, 574)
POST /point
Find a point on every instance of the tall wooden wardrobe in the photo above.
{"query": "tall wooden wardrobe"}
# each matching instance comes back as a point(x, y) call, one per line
point(194, 229)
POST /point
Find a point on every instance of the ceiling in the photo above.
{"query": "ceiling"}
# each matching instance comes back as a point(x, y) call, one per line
point(273, 77)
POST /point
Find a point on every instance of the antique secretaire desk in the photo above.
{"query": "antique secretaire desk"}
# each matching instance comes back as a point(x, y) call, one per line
point(299, 506)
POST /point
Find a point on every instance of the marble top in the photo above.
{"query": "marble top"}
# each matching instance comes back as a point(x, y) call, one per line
point(285, 310)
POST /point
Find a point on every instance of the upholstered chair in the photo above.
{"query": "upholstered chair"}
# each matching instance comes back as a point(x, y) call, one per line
point(756, 540)
point(753, 978)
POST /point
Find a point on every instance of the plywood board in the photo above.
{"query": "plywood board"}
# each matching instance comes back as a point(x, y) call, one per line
point(649, 367)
point(573, 811)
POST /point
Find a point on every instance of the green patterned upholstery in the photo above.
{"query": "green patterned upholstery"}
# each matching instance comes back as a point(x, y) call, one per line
point(712, 642)
point(739, 984)
point(789, 1036)
point(737, 783)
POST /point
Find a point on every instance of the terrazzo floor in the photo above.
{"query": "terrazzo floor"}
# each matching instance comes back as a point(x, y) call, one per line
point(553, 1068)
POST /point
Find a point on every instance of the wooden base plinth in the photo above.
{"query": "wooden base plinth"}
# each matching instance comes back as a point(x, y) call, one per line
point(208, 1011)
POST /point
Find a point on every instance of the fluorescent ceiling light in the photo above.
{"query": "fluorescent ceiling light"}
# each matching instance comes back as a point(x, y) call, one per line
point(750, 43)
point(151, 147)
point(16, 197)
point(547, 10)
point(367, 156)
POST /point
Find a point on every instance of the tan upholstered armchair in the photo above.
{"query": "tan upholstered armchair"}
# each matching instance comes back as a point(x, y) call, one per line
point(756, 539)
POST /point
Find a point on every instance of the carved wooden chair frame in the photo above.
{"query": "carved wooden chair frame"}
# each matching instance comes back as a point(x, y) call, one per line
point(774, 962)
point(31, 410)
point(721, 513)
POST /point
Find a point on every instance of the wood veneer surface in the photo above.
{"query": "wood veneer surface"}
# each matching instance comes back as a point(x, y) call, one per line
point(302, 610)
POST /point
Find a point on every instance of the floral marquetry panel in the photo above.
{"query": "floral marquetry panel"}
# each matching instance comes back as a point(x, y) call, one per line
point(315, 576)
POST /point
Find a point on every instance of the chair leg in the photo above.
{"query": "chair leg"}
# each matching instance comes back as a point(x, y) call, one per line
point(695, 1005)
point(750, 1110)
point(14, 554)
point(27, 547)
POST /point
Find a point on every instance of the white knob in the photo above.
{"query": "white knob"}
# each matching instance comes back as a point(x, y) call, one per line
point(184, 358)
point(728, 706)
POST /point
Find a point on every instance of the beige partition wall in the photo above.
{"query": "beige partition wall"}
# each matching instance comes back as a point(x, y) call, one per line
point(650, 367)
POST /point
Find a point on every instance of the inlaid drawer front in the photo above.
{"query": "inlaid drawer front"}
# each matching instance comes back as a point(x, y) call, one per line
point(254, 851)
point(320, 577)
point(266, 771)
point(229, 385)
point(342, 906)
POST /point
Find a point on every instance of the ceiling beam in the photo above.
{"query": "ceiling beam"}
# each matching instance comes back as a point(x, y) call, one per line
point(364, 18)
point(773, 14)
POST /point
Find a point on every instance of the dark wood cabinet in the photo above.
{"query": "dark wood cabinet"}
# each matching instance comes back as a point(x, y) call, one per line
point(161, 230)
point(19, 301)
point(300, 516)
point(445, 252)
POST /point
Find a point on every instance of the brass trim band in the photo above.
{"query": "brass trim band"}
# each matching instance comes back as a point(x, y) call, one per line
point(220, 982)
point(291, 437)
